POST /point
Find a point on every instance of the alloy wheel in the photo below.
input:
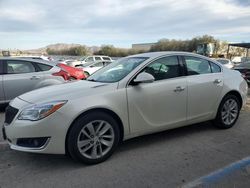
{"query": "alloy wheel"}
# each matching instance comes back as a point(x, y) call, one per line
point(229, 112)
point(95, 139)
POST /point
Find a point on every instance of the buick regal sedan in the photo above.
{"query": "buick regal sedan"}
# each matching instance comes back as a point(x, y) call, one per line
point(133, 96)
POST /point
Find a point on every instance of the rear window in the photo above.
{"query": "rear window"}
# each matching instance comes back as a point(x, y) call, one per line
point(44, 67)
point(215, 68)
point(106, 58)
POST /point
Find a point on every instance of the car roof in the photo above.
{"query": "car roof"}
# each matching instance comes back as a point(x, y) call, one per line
point(52, 63)
point(162, 53)
point(152, 55)
point(96, 56)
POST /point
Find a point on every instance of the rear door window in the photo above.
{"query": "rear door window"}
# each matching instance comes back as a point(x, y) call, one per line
point(90, 59)
point(43, 67)
point(106, 58)
point(196, 66)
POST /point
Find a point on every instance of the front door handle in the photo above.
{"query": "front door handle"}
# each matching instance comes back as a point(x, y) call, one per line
point(217, 81)
point(35, 78)
point(179, 89)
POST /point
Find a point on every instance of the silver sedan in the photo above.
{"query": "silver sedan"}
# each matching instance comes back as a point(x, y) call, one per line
point(20, 75)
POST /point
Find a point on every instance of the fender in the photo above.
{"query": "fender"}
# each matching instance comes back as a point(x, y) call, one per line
point(48, 82)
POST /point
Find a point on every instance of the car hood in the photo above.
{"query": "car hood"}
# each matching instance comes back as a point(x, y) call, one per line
point(67, 91)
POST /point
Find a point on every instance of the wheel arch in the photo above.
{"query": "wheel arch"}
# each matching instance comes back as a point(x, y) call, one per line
point(237, 94)
point(105, 110)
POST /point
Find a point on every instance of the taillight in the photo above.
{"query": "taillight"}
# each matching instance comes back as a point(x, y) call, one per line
point(63, 74)
point(244, 73)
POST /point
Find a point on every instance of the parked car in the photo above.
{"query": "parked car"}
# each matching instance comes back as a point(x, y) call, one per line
point(95, 58)
point(244, 69)
point(133, 96)
point(91, 67)
point(42, 57)
point(226, 62)
point(18, 75)
point(72, 63)
point(73, 72)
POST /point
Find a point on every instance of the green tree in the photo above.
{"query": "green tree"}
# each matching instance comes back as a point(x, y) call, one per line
point(74, 51)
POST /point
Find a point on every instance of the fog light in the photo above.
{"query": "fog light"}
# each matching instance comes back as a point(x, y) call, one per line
point(32, 142)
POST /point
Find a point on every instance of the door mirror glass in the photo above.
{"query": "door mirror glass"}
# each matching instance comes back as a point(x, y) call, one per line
point(144, 77)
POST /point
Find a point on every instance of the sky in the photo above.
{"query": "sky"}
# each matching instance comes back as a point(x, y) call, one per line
point(30, 24)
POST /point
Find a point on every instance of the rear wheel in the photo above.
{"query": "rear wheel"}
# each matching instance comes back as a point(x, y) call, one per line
point(228, 112)
point(86, 74)
point(72, 78)
point(93, 138)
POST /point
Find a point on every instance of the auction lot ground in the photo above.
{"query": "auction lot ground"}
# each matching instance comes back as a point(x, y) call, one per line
point(173, 158)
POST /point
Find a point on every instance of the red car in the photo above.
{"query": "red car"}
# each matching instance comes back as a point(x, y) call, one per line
point(70, 73)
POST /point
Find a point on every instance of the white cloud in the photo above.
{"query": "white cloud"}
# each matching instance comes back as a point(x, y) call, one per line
point(119, 22)
point(28, 13)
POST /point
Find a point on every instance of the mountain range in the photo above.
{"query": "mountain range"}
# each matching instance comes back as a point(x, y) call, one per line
point(56, 47)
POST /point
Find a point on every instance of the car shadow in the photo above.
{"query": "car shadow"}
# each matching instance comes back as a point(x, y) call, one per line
point(155, 138)
point(65, 162)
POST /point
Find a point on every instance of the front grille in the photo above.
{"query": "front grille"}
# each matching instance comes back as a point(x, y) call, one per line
point(10, 114)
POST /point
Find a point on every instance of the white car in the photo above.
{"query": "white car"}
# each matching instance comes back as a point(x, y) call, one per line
point(226, 62)
point(72, 63)
point(42, 57)
point(95, 58)
point(91, 67)
point(133, 96)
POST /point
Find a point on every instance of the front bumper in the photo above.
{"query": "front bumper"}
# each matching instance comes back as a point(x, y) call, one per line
point(53, 127)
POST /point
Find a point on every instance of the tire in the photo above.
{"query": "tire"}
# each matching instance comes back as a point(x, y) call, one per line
point(88, 142)
point(86, 74)
point(71, 78)
point(222, 119)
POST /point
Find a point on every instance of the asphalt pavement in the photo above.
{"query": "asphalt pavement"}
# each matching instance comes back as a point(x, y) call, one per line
point(193, 156)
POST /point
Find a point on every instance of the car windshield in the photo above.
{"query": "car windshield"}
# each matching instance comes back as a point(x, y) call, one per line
point(116, 71)
point(222, 61)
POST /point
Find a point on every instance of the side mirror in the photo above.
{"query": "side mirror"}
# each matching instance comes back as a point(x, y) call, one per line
point(144, 78)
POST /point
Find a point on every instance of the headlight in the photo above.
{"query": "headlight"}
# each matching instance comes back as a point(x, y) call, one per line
point(40, 111)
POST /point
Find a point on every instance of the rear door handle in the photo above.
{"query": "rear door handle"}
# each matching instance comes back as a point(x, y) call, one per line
point(217, 81)
point(179, 89)
point(35, 78)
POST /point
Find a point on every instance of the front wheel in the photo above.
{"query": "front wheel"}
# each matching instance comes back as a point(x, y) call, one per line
point(228, 112)
point(93, 138)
